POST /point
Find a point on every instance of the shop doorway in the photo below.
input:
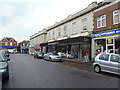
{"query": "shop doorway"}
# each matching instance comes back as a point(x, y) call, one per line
point(110, 45)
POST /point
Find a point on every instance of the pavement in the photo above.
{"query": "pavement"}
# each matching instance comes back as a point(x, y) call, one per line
point(79, 64)
point(86, 66)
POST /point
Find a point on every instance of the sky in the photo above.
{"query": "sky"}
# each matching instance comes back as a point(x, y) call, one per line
point(22, 18)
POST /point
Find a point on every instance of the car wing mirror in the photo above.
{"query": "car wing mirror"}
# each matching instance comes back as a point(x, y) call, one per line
point(8, 59)
point(119, 61)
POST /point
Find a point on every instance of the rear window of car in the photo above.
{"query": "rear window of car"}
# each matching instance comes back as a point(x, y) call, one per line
point(115, 58)
point(104, 57)
point(40, 53)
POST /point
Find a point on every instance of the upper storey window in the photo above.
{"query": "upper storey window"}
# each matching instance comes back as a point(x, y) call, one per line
point(116, 17)
point(74, 28)
point(101, 21)
point(84, 24)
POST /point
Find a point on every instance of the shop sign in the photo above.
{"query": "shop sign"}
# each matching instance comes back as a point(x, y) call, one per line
point(109, 41)
point(54, 43)
point(100, 34)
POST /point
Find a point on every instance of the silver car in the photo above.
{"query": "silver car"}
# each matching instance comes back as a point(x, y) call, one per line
point(51, 56)
point(4, 68)
point(107, 62)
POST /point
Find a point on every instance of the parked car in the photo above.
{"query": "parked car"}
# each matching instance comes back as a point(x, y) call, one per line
point(38, 55)
point(5, 52)
point(107, 62)
point(51, 56)
point(4, 69)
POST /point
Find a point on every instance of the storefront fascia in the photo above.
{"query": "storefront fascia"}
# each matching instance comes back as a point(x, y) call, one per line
point(110, 39)
point(68, 44)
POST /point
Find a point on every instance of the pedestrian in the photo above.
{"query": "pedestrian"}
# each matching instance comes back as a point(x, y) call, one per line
point(97, 52)
point(85, 56)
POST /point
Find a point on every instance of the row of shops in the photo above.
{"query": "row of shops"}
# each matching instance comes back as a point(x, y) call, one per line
point(105, 41)
point(74, 46)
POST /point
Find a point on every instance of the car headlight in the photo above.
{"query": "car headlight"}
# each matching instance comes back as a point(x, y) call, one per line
point(2, 70)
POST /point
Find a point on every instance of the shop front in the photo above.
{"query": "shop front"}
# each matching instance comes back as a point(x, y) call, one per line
point(107, 40)
point(74, 46)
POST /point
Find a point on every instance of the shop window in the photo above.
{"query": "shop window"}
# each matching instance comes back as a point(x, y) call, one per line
point(117, 45)
point(116, 16)
point(101, 21)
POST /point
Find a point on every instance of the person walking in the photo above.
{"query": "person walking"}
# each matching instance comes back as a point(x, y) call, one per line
point(85, 56)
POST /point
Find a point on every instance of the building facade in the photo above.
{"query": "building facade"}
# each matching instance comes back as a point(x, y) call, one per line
point(24, 46)
point(36, 40)
point(73, 34)
point(8, 43)
point(106, 35)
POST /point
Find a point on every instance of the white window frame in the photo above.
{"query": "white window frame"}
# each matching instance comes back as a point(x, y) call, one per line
point(84, 24)
point(116, 15)
point(65, 30)
point(6, 43)
point(74, 28)
point(53, 34)
point(49, 36)
point(11, 43)
point(59, 34)
point(100, 18)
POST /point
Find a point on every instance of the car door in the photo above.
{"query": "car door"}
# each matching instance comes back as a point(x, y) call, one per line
point(47, 56)
point(114, 63)
point(104, 61)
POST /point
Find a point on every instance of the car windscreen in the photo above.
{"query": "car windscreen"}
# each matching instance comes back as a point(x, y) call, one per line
point(1, 57)
point(54, 53)
point(40, 53)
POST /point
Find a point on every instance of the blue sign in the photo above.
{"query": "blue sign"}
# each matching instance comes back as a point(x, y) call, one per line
point(99, 34)
point(8, 46)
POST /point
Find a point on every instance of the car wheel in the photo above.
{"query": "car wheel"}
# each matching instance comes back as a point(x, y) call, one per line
point(50, 59)
point(97, 69)
point(7, 76)
point(36, 56)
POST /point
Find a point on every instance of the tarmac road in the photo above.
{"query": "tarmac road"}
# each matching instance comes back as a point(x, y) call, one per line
point(28, 72)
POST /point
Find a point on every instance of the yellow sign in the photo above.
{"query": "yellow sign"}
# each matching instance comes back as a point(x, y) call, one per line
point(110, 41)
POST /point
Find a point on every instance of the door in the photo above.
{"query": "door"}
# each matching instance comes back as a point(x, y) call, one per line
point(110, 45)
point(104, 61)
point(114, 63)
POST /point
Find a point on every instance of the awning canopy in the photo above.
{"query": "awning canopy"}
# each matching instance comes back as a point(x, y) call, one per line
point(37, 46)
point(69, 41)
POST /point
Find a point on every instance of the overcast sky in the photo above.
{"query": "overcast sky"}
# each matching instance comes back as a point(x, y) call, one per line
point(22, 18)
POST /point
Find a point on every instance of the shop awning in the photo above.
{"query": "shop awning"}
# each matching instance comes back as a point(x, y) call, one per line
point(37, 46)
point(69, 41)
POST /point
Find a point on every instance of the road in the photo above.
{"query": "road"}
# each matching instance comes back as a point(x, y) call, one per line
point(28, 72)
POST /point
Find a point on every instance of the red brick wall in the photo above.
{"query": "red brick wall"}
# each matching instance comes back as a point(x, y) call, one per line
point(109, 17)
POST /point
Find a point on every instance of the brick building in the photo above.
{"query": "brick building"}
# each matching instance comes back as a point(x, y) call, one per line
point(107, 28)
point(8, 43)
point(23, 47)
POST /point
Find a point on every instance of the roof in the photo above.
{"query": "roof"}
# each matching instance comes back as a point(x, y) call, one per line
point(8, 39)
